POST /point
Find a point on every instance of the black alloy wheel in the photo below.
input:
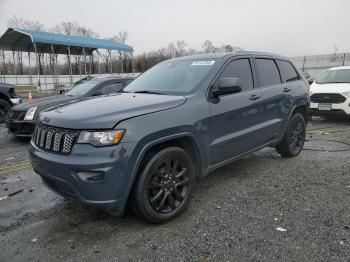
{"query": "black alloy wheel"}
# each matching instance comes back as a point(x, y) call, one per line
point(294, 138)
point(164, 186)
point(297, 134)
point(169, 185)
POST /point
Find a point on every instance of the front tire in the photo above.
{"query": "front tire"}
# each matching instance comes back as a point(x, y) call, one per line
point(164, 186)
point(294, 137)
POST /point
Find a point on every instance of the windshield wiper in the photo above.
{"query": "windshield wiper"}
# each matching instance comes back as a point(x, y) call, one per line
point(148, 92)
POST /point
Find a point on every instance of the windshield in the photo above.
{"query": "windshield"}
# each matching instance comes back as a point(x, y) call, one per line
point(334, 76)
point(81, 89)
point(172, 77)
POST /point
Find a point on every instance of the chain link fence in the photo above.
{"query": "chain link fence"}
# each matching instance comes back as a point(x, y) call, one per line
point(316, 64)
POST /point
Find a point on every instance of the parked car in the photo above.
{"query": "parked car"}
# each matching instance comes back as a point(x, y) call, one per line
point(308, 77)
point(65, 89)
point(8, 98)
point(330, 93)
point(147, 146)
point(21, 118)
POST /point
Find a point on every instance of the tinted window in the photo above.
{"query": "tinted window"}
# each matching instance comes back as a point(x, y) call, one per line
point(112, 88)
point(242, 70)
point(267, 72)
point(82, 89)
point(288, 72)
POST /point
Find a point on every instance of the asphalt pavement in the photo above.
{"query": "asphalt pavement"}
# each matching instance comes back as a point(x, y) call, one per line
point(260, 208)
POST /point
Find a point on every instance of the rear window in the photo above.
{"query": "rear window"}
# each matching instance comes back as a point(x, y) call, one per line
point(288, 72)
point(267, 72)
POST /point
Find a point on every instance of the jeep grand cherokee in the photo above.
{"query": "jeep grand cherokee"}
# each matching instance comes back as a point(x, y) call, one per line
point(147, 146)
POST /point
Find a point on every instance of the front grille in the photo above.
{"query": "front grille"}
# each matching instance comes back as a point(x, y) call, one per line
point(328, 98)
point(15, 115)
point(54, 139)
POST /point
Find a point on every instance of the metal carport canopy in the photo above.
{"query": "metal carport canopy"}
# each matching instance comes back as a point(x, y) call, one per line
point(24, 40)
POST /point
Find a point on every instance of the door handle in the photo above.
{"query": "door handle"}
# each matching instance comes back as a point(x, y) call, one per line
point(286, 89)
point(254, 97)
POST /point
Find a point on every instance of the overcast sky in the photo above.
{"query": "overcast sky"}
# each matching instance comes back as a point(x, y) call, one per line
point(288, 27)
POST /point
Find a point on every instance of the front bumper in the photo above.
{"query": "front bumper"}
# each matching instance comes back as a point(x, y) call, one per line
point(337, 109)
point(94, 176)
point(20, 128)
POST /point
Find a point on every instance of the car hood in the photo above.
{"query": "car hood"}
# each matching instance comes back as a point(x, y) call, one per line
point(107, 111)
point(330, 88)
point(44, 102)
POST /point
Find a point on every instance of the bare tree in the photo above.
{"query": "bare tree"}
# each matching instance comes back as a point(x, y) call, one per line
point(122, 37)
point(17, 22)
point(208, 46)
point(172, 50)
point(180, 47)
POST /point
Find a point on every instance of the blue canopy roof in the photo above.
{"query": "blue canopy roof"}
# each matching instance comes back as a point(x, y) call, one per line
point(23, 39)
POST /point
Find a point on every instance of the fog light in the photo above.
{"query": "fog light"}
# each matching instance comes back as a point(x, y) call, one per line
point(91, 176)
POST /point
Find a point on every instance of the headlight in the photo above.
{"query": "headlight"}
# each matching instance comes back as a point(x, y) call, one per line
point(101, 138)
point(30, 113)
point(347, 94)
point(16, 100)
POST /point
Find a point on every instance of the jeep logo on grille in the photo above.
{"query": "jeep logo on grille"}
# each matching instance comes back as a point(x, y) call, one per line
point(46, 119)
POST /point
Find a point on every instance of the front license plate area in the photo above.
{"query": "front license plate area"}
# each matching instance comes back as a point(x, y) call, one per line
point(325, 107)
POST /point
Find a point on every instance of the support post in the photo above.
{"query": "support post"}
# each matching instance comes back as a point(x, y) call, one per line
point(84, 60)
point(14, 66)
point(53, 64)
point(121, 62)
point(2, 70)
point(131, 60)
point(79, 67)
point(37, 63)
point(90, 61)
point(30, 70)
point(98, 62)
point(44, 73)
point(110, 60)
point(70, 67)
point(4, 64)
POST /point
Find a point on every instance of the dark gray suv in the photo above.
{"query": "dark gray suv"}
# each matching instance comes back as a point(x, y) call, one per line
point(146, 147)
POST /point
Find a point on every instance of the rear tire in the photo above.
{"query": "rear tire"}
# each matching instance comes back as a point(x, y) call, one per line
point(164, 186)
point(4, 108)
point(294, 137)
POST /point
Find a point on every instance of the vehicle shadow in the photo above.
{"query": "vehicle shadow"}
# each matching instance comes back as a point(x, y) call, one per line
point(70, 215)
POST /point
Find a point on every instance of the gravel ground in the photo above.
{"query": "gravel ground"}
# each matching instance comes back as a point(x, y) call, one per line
point(234, 215)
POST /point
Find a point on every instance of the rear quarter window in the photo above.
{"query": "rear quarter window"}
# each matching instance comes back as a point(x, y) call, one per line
point(288, 72)
point(267, 72)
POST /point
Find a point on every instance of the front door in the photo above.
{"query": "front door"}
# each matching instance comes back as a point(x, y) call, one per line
point(233, 117)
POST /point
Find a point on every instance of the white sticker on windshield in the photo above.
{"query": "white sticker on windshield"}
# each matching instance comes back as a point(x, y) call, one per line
point(202, 63)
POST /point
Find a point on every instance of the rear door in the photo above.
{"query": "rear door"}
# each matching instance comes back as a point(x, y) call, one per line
point(233, 117)
point(273, 105)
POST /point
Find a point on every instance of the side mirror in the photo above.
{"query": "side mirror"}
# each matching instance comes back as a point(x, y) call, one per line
point(226, 86)
point(311, 80)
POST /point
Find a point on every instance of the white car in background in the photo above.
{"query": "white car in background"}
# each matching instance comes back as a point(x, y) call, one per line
point(330, 93)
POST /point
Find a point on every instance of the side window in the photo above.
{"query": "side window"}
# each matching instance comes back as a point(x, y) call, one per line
point(267, 72)
point(288, 72)
point(241, 69)
point(112, 88)
point(128, 82)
